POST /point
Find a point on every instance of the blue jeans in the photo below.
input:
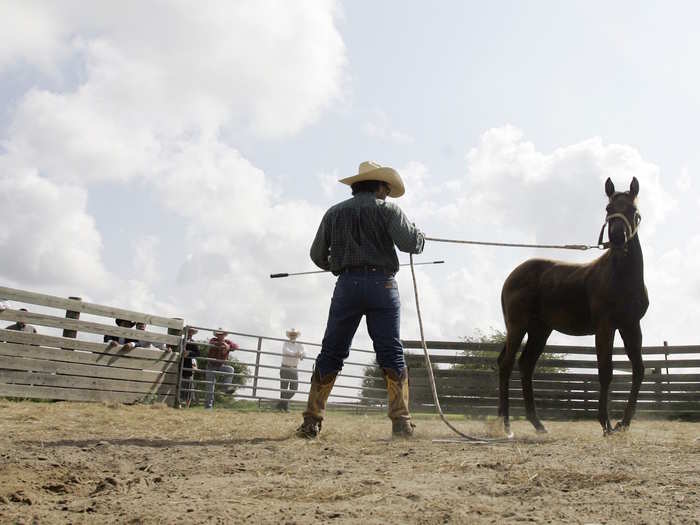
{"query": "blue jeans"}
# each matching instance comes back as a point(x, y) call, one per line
point(374, 295)
point(211, 377)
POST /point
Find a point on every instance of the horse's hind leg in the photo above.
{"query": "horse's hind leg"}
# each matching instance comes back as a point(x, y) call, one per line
point(506, 359)
point(632, 337)
point(536, 339)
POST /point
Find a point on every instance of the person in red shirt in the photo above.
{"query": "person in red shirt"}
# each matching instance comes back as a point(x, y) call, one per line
point(218, 371)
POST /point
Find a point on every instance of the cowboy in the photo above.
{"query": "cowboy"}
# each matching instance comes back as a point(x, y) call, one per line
point(292, 353)
point(189, 366)
point(355, 241)
point(219, 349)
point(21, 326)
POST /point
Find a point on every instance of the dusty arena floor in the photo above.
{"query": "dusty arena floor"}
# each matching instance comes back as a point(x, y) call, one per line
point(91, 463)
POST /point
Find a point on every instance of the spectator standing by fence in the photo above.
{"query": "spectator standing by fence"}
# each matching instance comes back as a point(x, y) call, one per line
point(217, 369)
point(21, 326)
point(292, 353)
point(189, 366)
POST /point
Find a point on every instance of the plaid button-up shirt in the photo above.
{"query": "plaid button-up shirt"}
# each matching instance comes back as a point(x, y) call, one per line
point(363, 231)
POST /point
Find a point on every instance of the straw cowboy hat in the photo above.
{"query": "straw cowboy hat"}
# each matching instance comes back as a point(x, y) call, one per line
point(293, 331)
point(370, 170)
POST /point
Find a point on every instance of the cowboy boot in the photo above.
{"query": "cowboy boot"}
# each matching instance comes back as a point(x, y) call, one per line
point(397, 388)
point(316, 406)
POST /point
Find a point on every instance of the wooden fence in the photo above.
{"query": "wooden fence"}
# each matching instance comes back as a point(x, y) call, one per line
point(565, 381)
point(68, 360)
point(75, 363)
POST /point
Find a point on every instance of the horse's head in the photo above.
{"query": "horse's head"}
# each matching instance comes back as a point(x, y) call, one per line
point(622, 215)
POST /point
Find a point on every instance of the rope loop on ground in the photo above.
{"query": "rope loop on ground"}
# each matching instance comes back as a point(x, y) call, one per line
point(431, 376)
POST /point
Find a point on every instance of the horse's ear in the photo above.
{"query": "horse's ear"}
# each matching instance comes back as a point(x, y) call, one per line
point(609, 187)
point(634, 187)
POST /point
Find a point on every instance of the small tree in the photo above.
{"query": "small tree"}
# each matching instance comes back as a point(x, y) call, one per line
point(480, 355)
point(374, 379)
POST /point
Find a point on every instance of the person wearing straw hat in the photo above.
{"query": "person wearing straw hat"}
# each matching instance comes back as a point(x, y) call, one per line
point(356, 241)
point(292, 353)
point(217, 369)
point(189, 366)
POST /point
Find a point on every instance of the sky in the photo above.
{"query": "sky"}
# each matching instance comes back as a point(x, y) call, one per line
point(168, 156)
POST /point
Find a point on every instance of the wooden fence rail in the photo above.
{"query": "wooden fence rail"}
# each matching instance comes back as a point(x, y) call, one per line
point(566, 386)
point(79, 366)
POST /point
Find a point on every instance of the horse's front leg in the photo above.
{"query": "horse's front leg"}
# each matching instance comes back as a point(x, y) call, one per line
point(632, 337)
point(506, 360)
point(603, 347)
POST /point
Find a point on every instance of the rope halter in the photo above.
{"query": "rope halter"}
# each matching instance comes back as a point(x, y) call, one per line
point(630, 231)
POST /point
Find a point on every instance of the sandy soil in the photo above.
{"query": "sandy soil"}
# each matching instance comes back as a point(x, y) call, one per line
point(91, 463)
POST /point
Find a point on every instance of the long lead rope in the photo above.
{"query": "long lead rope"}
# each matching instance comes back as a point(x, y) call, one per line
point(431, 376)
point(581, 247)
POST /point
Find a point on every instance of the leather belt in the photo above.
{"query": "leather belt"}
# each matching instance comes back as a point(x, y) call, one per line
point(368, 268)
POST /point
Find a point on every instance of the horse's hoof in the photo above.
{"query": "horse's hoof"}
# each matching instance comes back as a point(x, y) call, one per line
point(541, 430)
point(621, 427)
point(509, 434)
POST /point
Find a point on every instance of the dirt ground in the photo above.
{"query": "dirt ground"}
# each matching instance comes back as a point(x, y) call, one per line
point(93, 463)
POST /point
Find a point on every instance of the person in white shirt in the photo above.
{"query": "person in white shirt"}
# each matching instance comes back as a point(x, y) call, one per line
point(292, 353)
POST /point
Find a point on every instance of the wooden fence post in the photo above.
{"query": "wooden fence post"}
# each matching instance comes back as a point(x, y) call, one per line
point(257, 367)
point(175, 331)
point(70, 314)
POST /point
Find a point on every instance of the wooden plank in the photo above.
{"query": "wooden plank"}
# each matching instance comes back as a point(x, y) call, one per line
point(556, 376)
point(87, 326)
point(567, 363)
point(52, 301)
point(70, 356)
point(549, 349)
point(93, 383)
point(87, 370)
point(76, 394)
point(616, 404)
point(543, 405)
point(485, 383)
point(557, 415)
point(561, 391)
point(13, 336)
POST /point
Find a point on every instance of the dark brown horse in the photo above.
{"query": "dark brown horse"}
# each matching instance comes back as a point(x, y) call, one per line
point(595, 298)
